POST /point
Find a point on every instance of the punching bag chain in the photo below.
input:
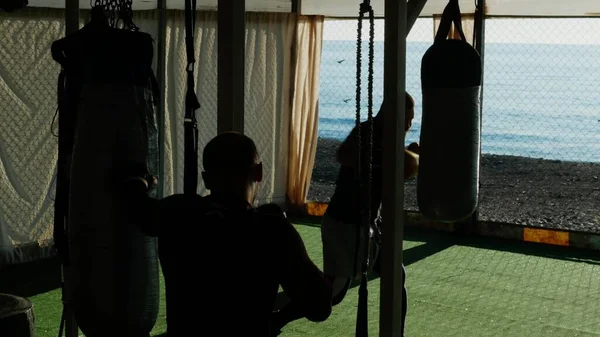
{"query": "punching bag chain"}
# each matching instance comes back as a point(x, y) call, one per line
point(365, 187)
point(364, 182)
point(117, 10)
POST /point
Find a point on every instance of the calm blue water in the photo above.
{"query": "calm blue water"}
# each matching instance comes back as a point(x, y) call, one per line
point(540, 101)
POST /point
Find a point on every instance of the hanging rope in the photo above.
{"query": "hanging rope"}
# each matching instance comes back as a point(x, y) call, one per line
point(364, 182)
point(190, 169)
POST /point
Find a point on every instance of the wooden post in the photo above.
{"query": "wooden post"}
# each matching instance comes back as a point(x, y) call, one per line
point(393, 168)
point(231, 36)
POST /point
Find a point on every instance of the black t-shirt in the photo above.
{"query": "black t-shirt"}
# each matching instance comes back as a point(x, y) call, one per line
point(223, 263)
point(347, 201)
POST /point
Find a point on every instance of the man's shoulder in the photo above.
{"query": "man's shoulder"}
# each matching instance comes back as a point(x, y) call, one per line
point(182, 201)
point(179, 197)
point(272, 211)
point(365, 130)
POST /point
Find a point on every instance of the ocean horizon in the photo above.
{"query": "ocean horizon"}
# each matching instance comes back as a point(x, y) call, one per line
point(539, 100)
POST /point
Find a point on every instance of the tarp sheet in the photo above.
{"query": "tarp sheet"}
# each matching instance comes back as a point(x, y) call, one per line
point(349, 8)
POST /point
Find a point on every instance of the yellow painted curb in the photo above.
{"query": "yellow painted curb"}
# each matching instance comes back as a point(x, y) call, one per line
point(316, 208)
point(546, 236)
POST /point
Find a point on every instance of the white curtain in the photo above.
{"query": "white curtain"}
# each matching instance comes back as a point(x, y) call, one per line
point(28, 150)
point(267, 86)
point(269, 40)
point(205, 45)
point(305, 108)
point(28, 84)
point(28, 145)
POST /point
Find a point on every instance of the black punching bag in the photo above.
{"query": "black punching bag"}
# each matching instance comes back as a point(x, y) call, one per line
point(107, 98)
point(448, 180)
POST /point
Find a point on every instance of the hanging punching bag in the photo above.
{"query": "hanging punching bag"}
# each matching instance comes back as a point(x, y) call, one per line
point(448, 180)
point(107, 89)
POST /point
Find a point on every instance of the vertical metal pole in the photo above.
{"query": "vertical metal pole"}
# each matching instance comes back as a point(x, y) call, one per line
point(394, 87)
point(231, 37)
point(71, 16)
point(479, 42)
point(297, 7)
point(480, 34)
point(71, 329)
point(161, 51)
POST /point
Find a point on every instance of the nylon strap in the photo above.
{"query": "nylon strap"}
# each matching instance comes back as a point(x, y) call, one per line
point(450, 15)
point(190, 124)
point(61, 194)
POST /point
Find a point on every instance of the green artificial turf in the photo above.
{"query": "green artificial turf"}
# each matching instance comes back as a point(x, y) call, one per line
point(458, 286)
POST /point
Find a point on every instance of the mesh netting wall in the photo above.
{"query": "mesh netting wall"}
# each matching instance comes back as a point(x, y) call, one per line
point(541, 126)
point(337, 111)
point(28, 150)
point(540, 136)
point(28, 142)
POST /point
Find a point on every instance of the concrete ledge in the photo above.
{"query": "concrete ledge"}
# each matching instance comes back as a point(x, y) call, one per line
point(490, 229)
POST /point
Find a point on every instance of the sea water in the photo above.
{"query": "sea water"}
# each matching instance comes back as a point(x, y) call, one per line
point(539, 100)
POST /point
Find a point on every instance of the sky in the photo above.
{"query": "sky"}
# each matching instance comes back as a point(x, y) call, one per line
point(550, 31)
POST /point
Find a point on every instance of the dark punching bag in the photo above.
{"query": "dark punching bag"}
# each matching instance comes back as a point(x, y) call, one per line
point(107, 97)
point(451, 76)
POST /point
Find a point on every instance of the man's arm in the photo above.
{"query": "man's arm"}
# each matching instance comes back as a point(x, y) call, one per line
point(411, 164)
point(141, 210)
point(302, 281)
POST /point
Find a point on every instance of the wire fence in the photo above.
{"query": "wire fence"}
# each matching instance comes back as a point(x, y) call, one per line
point(337, 111)
point(541, 129)
point(541, 126)
point(28, 78)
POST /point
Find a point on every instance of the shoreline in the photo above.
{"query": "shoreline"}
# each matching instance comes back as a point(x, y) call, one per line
point(526, 191)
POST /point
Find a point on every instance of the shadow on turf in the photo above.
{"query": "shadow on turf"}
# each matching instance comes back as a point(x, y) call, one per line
point(432, 246)
point(32, 278)
point(435, 242)
point(507, 245)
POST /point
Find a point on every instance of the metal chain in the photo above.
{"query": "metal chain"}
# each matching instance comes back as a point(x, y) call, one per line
point(370, 121)
point(117, 11)
point(365, 187)
point(358, 91)
point(366, 227)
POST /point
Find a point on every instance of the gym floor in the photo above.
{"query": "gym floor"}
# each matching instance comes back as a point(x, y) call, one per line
point(457, 286)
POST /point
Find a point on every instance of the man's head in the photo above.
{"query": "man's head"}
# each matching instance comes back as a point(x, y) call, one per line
point(410, 111)
point(231, 166)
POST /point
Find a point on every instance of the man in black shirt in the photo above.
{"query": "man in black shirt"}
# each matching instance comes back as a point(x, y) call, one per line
point(343, 215)
point(223, 260)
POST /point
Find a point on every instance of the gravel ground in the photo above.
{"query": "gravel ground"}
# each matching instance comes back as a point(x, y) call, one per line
point(526, 191)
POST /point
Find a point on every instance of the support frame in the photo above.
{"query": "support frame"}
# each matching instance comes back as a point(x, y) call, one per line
point(71, 327)
point(231, 36)
point(393, 168)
